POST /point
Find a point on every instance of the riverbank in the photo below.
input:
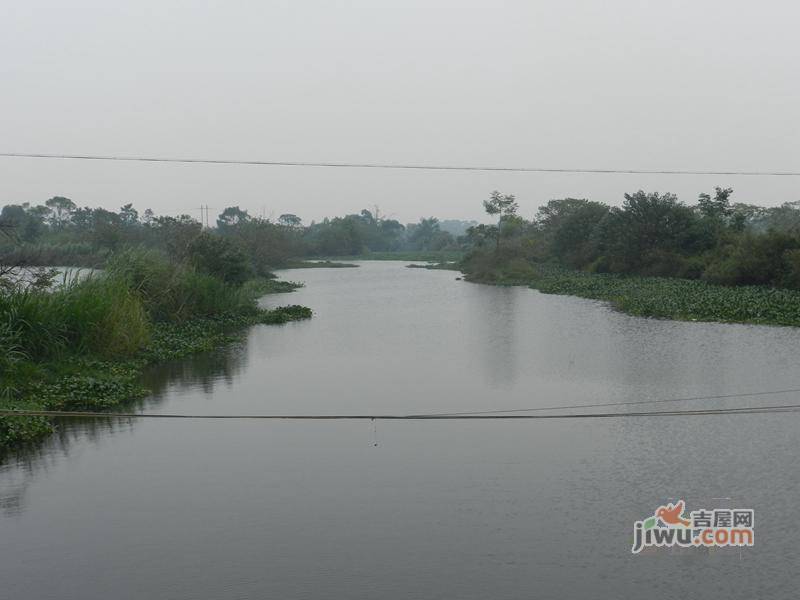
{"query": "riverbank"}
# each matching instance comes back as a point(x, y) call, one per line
point(436, 266)
point(83, 345)
point(434, 256)
point(89, 383)
point(665, 298)
point(315, 264)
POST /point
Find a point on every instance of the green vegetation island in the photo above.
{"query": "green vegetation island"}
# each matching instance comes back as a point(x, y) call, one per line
point(652, 257)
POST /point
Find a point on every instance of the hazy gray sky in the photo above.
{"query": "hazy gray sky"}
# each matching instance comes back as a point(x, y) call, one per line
point(711, 85)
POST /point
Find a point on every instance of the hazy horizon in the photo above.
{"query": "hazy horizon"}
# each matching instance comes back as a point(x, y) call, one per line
point(700, 86)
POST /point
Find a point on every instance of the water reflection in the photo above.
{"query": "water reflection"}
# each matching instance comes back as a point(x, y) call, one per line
point(492, 312)
point(202, 373)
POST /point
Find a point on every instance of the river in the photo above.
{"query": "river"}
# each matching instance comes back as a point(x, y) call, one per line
point(197, 509)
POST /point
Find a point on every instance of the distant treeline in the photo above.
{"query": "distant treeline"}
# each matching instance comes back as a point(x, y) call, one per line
point(60, 233)
point(651, 234)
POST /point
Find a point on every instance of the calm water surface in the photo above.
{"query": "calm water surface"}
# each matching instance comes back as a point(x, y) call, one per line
point(506, 509)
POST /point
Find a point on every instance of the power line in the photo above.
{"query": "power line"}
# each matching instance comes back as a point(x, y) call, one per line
point(624, 403)
point(397, 166)
point(747, 410)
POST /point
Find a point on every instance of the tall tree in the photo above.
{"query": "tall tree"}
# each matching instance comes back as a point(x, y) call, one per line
point(718, 207)
point(129, 216)
point(230, 218)
point(505, 208)
point(61, 209)
point(290, 220)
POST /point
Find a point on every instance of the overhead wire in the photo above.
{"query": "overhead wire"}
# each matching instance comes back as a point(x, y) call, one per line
point(400, 166)
point(403, 417)
point(622, 403)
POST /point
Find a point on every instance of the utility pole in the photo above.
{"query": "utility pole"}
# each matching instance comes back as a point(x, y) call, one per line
point(204, 215)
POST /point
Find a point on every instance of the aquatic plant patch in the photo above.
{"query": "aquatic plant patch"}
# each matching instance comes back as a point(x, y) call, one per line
point(88, 384)
point(661, 297)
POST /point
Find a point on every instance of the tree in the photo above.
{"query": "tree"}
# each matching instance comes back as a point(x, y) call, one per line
point(129, 216)
point(506, 208)
point(478, 235)
point(650, 234)
point(230, 218)
point(568, 228)
point(82, 219)
point(368, 217)
point(337, 237)
point(785, 217)
point(428, 235)
point(20, 224)
point(106, 228)
point(176, 234)
point(497, 204)
point(456, 227)
point(390, 234)
point(268, 244)
point(290, 220)
point(717, 208)
point(763, 259)
point(60, 211)
point(148, 217)
point(221, 257)
point(27, 223)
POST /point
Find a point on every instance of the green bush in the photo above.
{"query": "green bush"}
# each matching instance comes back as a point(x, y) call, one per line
point(753, 260)
point(791, 259)
point(220, 257)
point(201, 295)
point(175, 292)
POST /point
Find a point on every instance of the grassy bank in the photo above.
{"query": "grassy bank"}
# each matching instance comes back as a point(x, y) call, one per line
point(422, 255)
point(436, 266)
point(667, 298)
point(83, 346)
point(316, 264)
point(96, 384)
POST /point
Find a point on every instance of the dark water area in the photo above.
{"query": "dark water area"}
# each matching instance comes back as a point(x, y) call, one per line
point(438, 509)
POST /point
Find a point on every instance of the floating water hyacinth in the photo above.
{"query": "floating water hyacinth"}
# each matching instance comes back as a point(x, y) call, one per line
point(681, 299)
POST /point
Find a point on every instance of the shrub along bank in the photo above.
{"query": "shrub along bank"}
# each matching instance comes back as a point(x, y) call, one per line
point(660, 297)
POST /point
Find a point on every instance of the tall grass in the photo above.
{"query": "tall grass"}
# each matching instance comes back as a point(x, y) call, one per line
point(173, 292)
point(75, 254)
point(110, 315)
point(95, 316)
point(11, 354)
